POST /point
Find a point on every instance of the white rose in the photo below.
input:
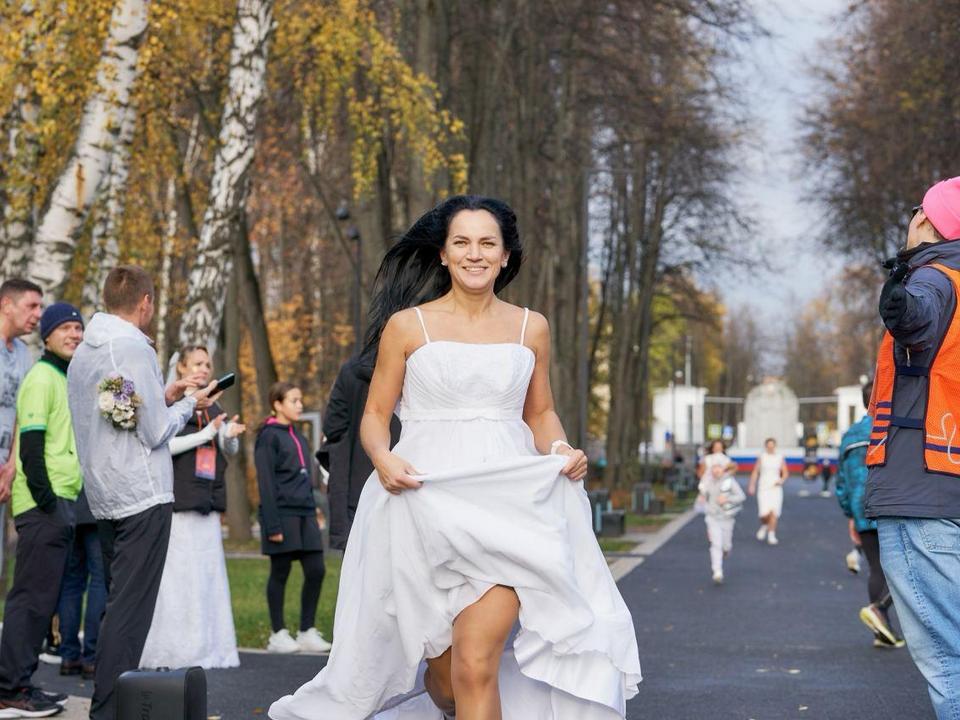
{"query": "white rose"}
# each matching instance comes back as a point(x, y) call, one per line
point(105, 401)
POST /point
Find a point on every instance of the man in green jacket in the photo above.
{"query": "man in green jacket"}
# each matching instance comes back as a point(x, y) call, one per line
point(47, 483)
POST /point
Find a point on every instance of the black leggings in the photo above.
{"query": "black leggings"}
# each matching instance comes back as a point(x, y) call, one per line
point(877, 583)
point(313, 572)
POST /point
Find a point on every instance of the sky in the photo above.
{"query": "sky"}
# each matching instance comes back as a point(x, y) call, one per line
point(775, 77)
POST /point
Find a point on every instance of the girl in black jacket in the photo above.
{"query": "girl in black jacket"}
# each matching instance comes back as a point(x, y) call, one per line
point(288, 519)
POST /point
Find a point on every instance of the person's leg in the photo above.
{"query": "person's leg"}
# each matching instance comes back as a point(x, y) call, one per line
point(138, 549)
point(42, 549)
point(921, 561)
point(96, 594)
point(877, 582)
point(70, 605)
point(479, 634)
point(438, 682)
point(313, 572)
point(715, 535)
point(276, 587)
point(727, 527)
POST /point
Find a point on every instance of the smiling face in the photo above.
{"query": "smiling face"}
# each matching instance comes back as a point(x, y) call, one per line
point(64, 339)
point(197, 361)
point(474, 252)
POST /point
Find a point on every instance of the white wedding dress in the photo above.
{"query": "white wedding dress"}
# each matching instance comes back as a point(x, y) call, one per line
point(193, 619)
point(491, 511)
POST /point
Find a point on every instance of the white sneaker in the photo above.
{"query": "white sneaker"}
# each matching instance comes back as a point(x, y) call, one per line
point(772, 539)
point(718, 577)
point(762, 533)
point(312, 641)
point(281, 642)
point(853, 561)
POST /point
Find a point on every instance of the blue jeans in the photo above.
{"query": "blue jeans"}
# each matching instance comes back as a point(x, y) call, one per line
point(921, 559)
point(86, 561)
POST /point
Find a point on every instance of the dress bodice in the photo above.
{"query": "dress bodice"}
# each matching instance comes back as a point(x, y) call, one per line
point(448, 380)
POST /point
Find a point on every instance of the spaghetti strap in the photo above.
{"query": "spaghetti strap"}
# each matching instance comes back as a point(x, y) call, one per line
point(426, 335)
point(523, 330)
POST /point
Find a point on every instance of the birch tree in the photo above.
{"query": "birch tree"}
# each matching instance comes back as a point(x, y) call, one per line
point(246, 86)
point(22, 150)
point(100, 128)
point(105, 237)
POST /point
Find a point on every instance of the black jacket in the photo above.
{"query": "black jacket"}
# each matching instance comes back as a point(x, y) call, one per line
point(191, 493)
point(285, 481)
point(342, 455)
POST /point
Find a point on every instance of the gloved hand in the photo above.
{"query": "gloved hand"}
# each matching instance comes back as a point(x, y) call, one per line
point(894, 298)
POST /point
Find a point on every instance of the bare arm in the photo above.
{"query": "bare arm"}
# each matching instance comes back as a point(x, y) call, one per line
point(396, 343)
point(754, 474)
point(538, 410)
point(784, 472)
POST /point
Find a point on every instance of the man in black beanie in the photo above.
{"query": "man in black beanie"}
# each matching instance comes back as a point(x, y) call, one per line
point(46, 486)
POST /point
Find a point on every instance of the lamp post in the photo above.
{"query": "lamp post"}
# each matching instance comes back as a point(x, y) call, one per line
point(353, 233)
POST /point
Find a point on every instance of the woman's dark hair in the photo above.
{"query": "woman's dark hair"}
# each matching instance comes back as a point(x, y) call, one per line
point(411, 273)
point(723, 447)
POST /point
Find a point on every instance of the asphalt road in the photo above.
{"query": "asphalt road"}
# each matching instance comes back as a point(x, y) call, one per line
point(779, 639)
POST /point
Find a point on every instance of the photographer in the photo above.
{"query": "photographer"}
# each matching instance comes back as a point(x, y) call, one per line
point(913, 488)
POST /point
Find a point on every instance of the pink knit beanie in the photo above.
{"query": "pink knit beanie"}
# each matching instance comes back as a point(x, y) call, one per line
point(941, 205)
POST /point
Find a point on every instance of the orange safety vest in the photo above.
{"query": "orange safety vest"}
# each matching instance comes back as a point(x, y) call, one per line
point(941, 421)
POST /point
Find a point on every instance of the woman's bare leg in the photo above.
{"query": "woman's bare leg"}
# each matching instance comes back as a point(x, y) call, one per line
point(479, 634)
point(438, 682)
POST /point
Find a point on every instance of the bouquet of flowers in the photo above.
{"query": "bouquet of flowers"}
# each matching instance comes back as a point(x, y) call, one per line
point(118, 402)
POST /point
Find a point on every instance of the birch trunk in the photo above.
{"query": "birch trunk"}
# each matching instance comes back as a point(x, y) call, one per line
point(105, 237)
point(17, 189)
point(99, 131)
point(228, 189)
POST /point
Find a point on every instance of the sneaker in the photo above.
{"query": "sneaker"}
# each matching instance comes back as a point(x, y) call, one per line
point(825, 493)
point(772, 539)
point(881, 642)
point(58, 698)
point(27, 704)
point(281, 642)
point(71, 667)
point(312, 641)
point(718, 578)
point(762, 533)
point(853, 561)
point(873, 619)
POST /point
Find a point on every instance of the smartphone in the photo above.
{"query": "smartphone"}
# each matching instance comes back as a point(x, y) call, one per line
point(226, 382)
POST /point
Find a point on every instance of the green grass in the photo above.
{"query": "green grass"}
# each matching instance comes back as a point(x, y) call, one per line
point(614, 545)
point(248, 592)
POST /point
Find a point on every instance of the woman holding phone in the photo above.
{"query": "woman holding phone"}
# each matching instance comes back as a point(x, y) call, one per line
point(193, 619)
point(289, 529)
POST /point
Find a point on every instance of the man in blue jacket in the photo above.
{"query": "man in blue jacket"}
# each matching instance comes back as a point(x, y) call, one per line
point(913, 489)
point(850, 489)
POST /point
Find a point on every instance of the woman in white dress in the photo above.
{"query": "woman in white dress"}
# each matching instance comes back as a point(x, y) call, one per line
point(193, 619)
point(766, 480)
point(477, 518)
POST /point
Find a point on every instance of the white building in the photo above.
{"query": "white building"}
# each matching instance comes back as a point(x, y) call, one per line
point(850, 406)
point(678, 411)
point(770, 410)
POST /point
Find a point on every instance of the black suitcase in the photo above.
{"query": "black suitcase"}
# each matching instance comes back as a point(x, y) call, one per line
point(162, 694)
